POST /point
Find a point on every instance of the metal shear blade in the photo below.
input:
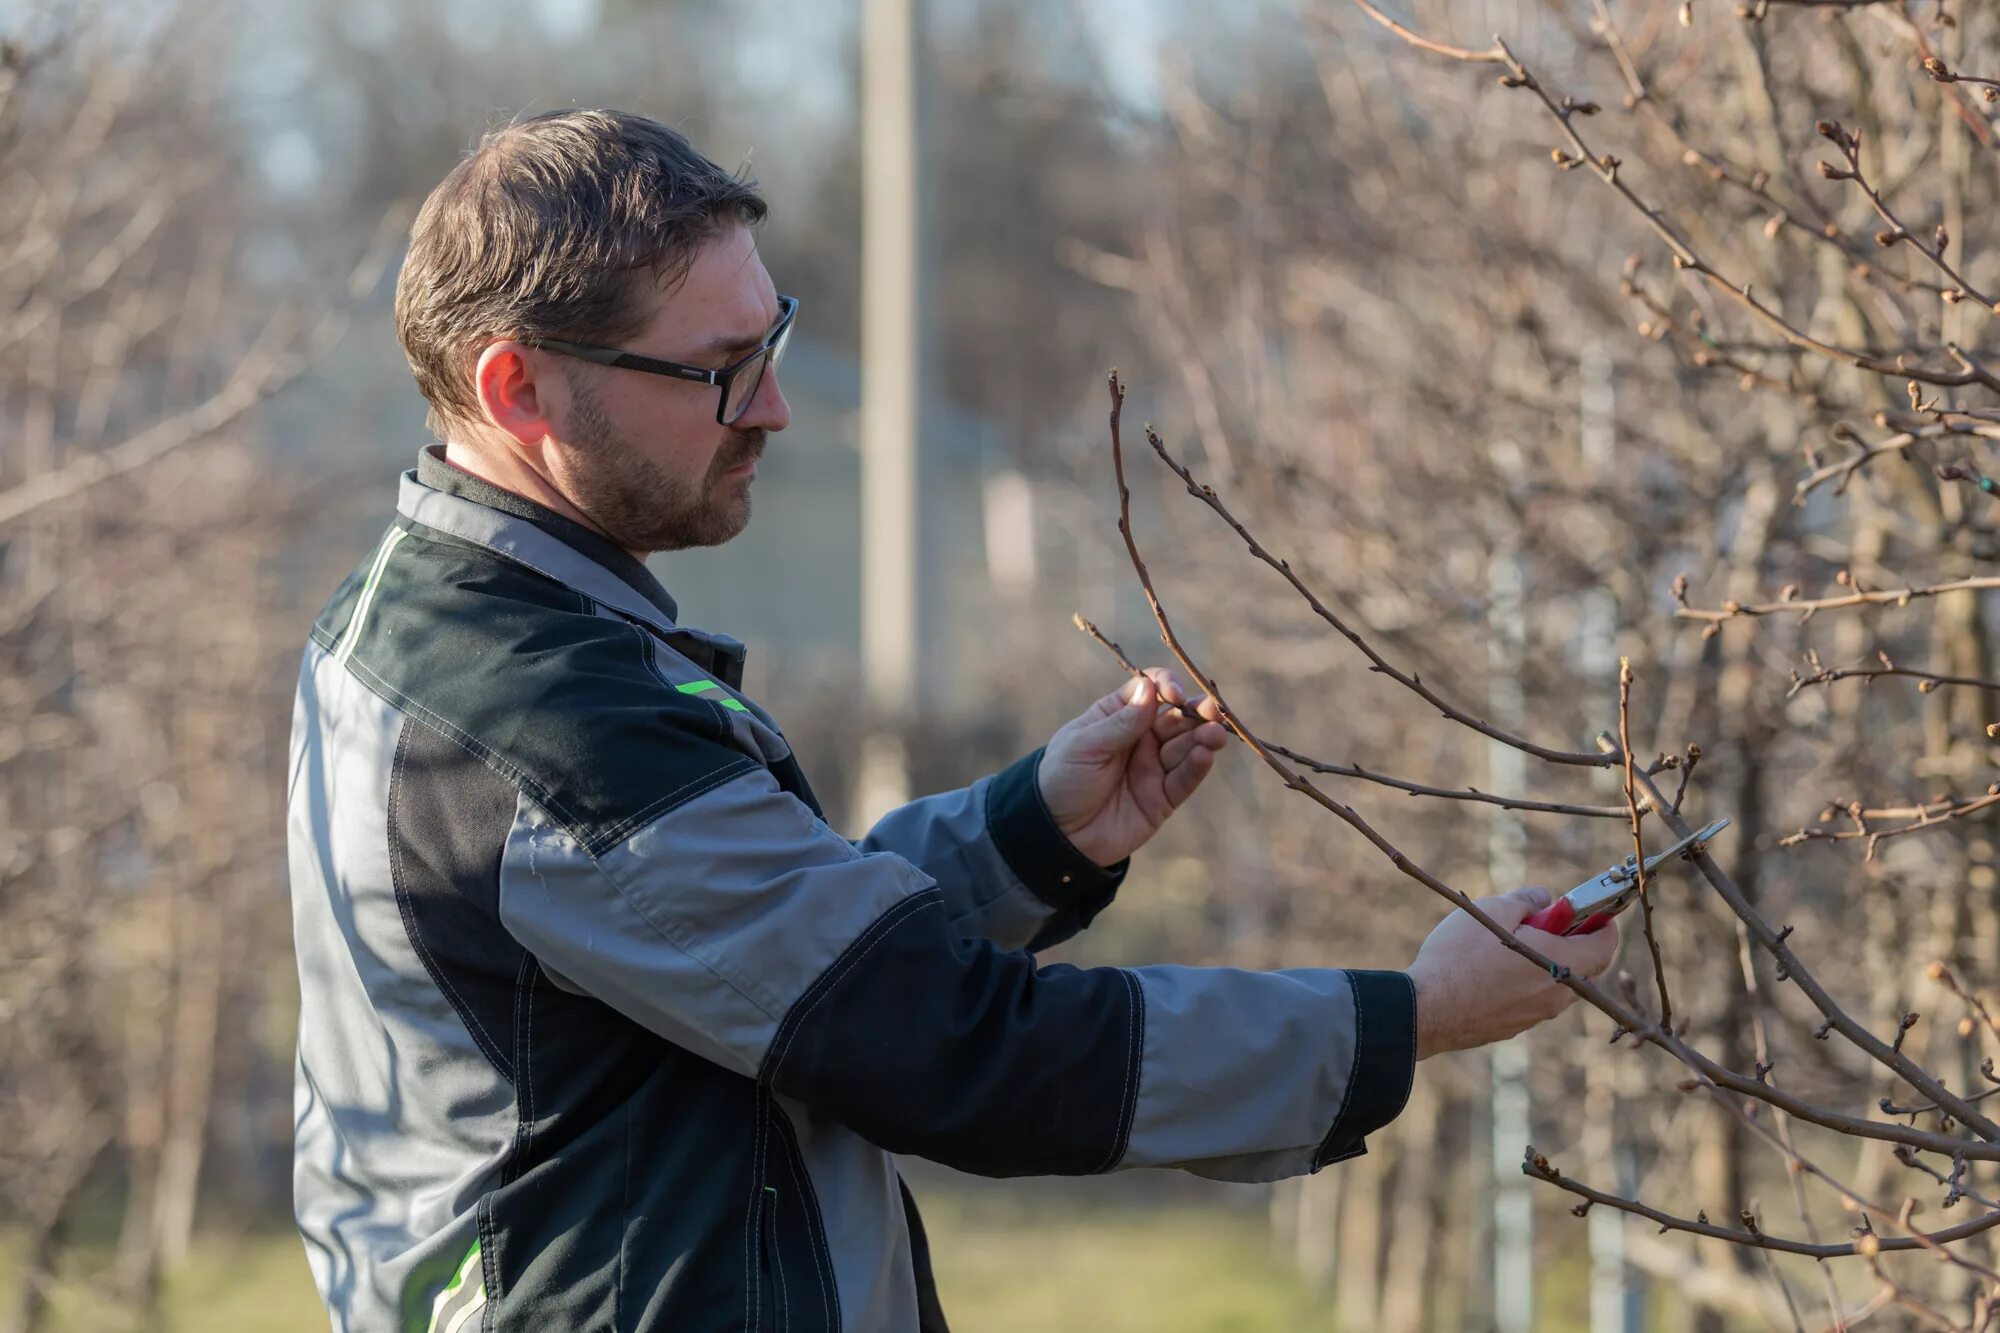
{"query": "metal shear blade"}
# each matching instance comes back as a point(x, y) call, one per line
point(1700, 835)
point(1610, 891)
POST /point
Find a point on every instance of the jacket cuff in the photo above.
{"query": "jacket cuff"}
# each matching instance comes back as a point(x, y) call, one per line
point(1385, 1063)
point(1036, 851)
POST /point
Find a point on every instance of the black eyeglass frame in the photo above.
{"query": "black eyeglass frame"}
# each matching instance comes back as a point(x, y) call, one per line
point(773, 345)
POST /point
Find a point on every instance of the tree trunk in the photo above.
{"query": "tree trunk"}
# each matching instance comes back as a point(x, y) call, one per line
point(1357, 1291)
point(1410, 1284)
point(48, 1236)
point(190, 1087)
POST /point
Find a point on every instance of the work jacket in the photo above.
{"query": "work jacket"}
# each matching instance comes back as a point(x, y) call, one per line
point(603, 1028)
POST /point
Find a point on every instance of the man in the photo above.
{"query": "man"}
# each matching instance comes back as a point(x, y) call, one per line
point(601, 1026)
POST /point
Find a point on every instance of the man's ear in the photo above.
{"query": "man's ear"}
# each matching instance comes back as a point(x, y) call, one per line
point(510, 395)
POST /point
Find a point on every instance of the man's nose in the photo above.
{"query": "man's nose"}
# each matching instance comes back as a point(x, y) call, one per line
point(768, 410)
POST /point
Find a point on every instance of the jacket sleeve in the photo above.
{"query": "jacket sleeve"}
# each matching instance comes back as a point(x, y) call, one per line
point(1004, 869)
point(741, 927)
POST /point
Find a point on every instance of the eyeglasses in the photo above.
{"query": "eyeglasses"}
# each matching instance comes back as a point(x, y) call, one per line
point(739, 381)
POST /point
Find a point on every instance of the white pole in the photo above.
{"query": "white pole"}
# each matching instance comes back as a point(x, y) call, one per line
point(890, 353)
point(1617, 1295)
point(1513, 1198)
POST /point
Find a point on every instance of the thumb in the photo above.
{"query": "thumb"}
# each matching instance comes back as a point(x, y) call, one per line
point(1514, 906)
point(1131, 721)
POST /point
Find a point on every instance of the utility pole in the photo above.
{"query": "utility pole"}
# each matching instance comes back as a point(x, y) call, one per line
point(1513, 1201)
point(890, 398)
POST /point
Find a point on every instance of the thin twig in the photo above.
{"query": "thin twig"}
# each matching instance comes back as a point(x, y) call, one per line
point(1792, 968)
point(1688, 762)
point(1849, 144)
point(1538, 1167)
point(1369, 775)
point(1605, 167)
point(1843, 472)
point(1625, 1016)
point(1926, 680)
point(1206, 494)
point(1921, 819)
point(1809, 607)
point(1638, 837)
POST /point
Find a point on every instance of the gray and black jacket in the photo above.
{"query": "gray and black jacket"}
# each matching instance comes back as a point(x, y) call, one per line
point(603, 1028)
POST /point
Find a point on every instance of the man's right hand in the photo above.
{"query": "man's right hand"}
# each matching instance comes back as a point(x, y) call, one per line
point(1472, 989)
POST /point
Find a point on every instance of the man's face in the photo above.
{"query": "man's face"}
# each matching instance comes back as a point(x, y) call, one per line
point(642, 456)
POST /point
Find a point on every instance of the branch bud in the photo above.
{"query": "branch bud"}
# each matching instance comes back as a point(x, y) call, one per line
point(1869, 1245)
point(1887, 237)
point(1941, 237)
point(1938, 70)
point(1828, 171)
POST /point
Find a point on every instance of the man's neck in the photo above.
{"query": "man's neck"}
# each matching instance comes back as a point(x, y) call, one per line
point(502, 469)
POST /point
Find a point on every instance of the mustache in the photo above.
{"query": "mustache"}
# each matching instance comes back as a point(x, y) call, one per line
point(744, 446)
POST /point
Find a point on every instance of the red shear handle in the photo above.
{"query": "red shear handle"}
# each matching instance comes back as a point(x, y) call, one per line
point(1555, 918)
point(1559, 918)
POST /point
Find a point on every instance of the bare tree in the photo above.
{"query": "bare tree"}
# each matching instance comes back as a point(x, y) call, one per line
point(1383, 315)
point(142, 670)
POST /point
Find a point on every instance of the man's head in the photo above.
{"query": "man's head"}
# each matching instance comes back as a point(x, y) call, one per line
point(605, 229)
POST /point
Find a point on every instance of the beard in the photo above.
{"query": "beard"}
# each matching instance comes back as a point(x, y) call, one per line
point(636, 503)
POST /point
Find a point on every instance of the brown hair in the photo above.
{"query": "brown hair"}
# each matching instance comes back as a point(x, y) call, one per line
point(538, 233)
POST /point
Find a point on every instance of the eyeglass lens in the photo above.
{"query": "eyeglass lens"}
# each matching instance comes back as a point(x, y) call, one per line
point(743, 388)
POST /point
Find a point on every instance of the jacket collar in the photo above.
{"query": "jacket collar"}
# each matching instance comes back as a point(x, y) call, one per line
point(452, 500)
point(434, 471)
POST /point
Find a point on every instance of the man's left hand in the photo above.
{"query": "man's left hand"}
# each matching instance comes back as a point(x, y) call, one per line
point(1112, 776)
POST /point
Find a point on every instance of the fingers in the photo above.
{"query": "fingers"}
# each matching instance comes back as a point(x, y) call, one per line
point(1208, 736)
point(1176, 720)
point(1184, 777)
point(1511, 908)
point(1589, 955)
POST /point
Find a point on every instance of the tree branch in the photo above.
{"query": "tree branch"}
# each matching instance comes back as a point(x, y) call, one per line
point(1538, 1167)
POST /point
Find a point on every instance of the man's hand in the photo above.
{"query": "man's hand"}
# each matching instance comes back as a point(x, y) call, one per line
point(1472, 989)
point(1112, 776)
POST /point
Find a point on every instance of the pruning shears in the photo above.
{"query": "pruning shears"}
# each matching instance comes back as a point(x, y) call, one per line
point(1591, 905)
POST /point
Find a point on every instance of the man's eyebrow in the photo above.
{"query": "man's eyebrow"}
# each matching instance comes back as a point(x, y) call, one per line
point(730, 342)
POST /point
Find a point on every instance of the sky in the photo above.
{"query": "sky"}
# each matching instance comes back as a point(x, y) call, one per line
point(789, 56)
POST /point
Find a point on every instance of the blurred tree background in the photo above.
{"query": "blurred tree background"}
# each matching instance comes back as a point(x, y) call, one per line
point(1464, 392)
